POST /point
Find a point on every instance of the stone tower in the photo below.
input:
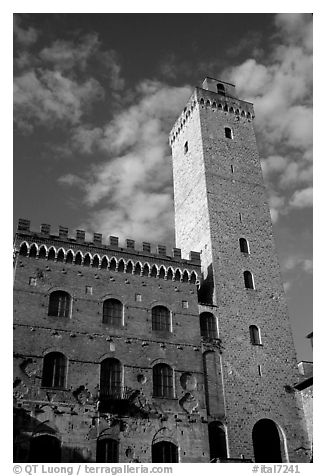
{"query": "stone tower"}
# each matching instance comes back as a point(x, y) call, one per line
point(221, 211)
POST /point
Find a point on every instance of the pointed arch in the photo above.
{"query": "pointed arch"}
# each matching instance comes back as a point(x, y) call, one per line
point(214, 104)
point(23, 250)
point(177, 275)
point(137, 269)
point(104, 262)
point(208, 103)
point(193, 277)
point(154, 271)
point(96, 261)
point(146, 269)
point(161, 274)
point(51, 254)
point(129, 267)
point(185, 276)
point(169, 274)
point(113, 264)
point(121, 266)
point(220, 106)
point(87, 260)
point(78, 258)
point(70, 257)
point(225, 108)
point(33, 251)
point(61, 255)
point(42, 252)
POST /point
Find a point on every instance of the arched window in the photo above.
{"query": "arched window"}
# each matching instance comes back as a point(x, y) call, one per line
point(161, 319)
point(162, 381)
point(54, 370)
point(248, 280)
point(244, 245)
point(107, 451)
point(266, 442)
point(33, 251)
point(217, 441)
point(45, 449)
point(112, 312)
point(161, 273)
point(23, 250)
point(254, 335)
point(169, 274)
point(110, 380)
point(228, 133)
point(208, 327)
point(59, 304)
point(220, 89)
point(164, 452)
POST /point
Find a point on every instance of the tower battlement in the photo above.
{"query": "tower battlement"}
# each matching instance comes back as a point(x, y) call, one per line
point(210, 96)
point(97, 254)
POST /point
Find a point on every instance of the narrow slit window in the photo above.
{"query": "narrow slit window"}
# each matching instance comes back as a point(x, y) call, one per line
point(254, 335)
point(186, 147)
point(244, 246)
point(228, 133)
point(248, 280)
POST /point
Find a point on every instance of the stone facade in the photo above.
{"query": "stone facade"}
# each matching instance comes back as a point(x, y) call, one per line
point(228, 347)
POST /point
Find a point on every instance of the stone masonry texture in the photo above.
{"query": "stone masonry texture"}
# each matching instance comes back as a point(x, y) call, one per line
point(226, 379)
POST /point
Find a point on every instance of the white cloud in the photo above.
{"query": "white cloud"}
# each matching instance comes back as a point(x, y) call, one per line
point(130, 193)
point(281, 90)
point(302, 198)
point(47, 97)
point(65, 55)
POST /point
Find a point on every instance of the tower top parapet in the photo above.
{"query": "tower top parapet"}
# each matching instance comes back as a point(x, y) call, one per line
point(217, 96)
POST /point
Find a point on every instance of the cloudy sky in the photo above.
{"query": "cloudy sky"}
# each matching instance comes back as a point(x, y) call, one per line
point(95, 96)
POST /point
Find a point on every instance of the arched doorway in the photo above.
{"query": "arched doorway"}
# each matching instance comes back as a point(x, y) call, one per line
point(164, 452)
point(266, 442)
point(217, 440)
point(45, 449)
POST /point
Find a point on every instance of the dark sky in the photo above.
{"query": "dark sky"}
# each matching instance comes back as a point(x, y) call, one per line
point(95, 96)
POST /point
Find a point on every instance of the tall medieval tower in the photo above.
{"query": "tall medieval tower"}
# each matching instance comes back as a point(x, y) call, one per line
point(221, 211)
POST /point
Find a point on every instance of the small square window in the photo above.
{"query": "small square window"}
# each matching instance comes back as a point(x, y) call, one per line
point(185, 304)
point(185, 147)
point(138, 297)
point(32, 281)
point(89, 290)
